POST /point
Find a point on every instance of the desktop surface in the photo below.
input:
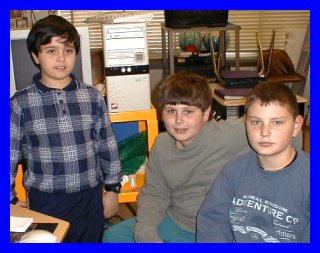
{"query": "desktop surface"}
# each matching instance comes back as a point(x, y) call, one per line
point(61, 229)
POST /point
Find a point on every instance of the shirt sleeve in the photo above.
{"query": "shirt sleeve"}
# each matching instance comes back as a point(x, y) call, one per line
point(154, 199)
point(305, 235)
point(213, 218)
point(108, 151)
point(16, 138)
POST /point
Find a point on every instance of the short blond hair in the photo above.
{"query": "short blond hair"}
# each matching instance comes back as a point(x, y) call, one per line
point(270, 92)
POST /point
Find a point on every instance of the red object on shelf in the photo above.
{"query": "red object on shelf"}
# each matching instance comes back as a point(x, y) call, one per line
point(191, 48)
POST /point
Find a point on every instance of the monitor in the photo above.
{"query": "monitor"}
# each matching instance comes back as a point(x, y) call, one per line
point(22, 68)
point(192, 18)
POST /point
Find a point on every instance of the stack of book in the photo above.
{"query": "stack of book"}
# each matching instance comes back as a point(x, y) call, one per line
point(240, 78)
point(232, 94)
point(234, 111)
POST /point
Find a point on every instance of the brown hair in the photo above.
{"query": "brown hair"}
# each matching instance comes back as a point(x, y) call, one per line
point(185, 88)
point(270, 92)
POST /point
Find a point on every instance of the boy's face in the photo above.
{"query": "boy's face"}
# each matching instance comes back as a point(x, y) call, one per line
point(184, 122)
point(270, 129)
point(56, 61)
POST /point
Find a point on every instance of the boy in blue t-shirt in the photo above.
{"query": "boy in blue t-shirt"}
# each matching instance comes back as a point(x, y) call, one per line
point(263, 195)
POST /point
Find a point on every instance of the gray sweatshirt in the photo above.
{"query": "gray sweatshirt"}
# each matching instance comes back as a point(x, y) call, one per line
point(179, 179)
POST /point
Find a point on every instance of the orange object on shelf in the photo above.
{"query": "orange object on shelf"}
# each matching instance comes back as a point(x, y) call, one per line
point(19, 187)
point(149, 116)
point(128, 193)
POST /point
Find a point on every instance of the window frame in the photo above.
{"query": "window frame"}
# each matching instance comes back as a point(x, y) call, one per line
point(251, 22)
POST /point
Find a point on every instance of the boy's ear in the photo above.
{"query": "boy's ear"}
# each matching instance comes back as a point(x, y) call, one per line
point(297, 125)
point(206, 114)
point(244, 118)
point(35, 58)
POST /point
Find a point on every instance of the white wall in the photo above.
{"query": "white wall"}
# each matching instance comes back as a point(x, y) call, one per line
point(295, 39)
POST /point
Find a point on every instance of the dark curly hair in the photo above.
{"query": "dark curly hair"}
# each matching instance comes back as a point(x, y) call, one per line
point(51, 26)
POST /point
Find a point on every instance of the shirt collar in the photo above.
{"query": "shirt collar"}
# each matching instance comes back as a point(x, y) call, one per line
point(42, 88)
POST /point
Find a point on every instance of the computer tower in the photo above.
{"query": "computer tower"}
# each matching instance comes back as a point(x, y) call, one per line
point(126, 67)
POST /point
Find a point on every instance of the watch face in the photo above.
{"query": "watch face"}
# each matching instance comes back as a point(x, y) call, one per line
point(113, 188)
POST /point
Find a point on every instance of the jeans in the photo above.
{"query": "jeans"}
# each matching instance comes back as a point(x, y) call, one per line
point(168, 231)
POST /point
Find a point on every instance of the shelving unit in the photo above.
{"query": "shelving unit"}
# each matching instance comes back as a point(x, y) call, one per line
point(234, 108)
point(171, 35)
point(149, 116)
point(129, 194)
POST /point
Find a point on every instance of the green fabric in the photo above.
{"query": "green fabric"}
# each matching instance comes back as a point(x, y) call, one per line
point(132, 152)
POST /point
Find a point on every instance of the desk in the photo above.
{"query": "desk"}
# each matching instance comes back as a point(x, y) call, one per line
point(60, 231)
point(220, 105)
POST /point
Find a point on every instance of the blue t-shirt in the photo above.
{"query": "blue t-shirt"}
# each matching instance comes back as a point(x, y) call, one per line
point(249, 204)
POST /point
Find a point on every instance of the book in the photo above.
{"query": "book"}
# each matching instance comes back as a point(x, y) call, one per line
point(240, 78)
point(19, 224)
point(239, 74)
point(232, 94)
point(239, 83)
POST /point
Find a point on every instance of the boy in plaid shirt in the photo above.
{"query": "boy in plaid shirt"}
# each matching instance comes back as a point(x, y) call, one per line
point(60, 129)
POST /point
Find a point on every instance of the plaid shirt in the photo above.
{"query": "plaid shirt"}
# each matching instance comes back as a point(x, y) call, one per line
point(64, 136)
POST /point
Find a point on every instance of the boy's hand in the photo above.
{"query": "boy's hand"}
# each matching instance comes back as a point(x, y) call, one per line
point(22, 204)
point(110, 204)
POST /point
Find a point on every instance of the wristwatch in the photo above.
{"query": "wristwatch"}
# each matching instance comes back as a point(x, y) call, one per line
point(14, 200)
point(113, 187)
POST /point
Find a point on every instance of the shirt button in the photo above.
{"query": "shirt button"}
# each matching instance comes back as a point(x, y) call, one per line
point(61, 101)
